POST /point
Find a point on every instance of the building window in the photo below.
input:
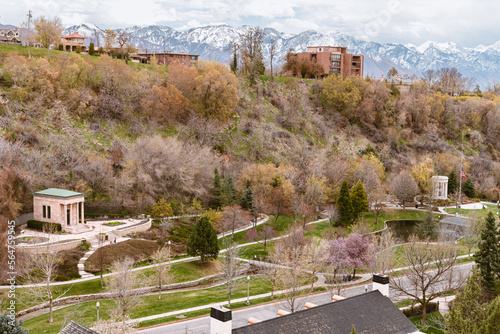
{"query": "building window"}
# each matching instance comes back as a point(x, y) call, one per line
point(326, 49)
point(335, 70)
point(335, 63)
point(193, 57)
point(335, 56)
point(44, 211)
point(48, 212)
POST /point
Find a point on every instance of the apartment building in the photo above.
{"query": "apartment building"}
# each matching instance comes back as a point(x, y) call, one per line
point(333, 60)
point(168, 58)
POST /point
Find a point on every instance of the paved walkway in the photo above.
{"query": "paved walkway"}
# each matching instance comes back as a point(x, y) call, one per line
point(119, 239)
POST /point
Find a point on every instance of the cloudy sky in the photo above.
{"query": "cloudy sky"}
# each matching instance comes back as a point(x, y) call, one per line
point(466, 22)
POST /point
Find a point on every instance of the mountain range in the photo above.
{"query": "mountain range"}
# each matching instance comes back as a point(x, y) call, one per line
point(212, 43)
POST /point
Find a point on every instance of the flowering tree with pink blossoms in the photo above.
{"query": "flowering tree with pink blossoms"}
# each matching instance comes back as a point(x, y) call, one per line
point(352, 252)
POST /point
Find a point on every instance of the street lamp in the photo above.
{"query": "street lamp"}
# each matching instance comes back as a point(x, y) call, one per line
point(248, 290)
point(97, 305)
point(169, 242)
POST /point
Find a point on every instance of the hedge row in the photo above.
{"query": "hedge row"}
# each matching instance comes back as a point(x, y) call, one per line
point(417, 310)
point(37, 225)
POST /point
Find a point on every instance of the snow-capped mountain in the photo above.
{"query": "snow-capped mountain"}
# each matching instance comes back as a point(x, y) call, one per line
point(213, 43)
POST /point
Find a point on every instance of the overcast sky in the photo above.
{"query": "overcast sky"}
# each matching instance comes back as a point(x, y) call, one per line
point(466, 22)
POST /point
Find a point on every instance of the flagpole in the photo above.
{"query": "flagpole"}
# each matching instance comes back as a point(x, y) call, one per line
point(461, 172)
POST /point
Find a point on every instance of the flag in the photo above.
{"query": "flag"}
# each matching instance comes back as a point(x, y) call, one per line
point(463, 174)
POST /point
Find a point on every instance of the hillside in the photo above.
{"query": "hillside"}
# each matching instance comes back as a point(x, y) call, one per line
point(128, 136)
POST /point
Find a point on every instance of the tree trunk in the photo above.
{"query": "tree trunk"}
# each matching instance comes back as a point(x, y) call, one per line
point(51, 319)
point(376, 218)
point(276, 219)
point(354, 274)
point(424, 310)
point(229, 300)
point(265, 242)
point(159, 284)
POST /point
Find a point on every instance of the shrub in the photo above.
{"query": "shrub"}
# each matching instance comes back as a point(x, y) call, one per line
point(61, 47)
point(417, 310)
point(84, 246)
point(78, 49)
point(91, 49)
point(37, 225)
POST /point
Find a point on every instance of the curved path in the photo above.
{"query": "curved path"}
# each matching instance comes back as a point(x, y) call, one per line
point(88, 278)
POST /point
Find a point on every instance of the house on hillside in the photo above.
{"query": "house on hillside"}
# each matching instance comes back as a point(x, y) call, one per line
point(167, 58)
point(71, 42)
point(10, 36)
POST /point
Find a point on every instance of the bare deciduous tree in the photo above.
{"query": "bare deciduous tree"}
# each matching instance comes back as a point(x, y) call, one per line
point(112, 326)
point(233, 217)
point(48, 31)
point(40, 269)
point(315, 257)
point(428, 271)
point(384, 252)
point(404, 187)
point(124, 284)
point(231, 266)
point(162, 269)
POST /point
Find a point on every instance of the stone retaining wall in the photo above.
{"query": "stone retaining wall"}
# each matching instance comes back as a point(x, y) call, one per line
point(55, 247)
point(141, 227)
point(106, 295)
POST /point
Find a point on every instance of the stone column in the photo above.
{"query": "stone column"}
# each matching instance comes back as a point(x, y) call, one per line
point(83, 217)
point(65, 214)
point(77, 215)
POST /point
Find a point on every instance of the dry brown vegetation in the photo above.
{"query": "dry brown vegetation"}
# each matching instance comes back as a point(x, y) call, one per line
point(138, 250)
point(129, 136)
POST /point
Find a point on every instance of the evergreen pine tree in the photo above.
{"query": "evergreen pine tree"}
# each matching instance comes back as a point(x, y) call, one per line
point(344, 205)
point(353, 331)
point(215, 201)
point(488, 256)
point(234, 63)
point(468, 188)
point(91, 49)
point(452, 182)
point(246, 201)
point(359, 200)
point(203, 240)
point(427, 228)
point(228, 196)
point(467, 311)
point(9, 326)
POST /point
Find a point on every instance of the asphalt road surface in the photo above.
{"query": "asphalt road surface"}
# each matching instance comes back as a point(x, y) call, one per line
point(264, 312)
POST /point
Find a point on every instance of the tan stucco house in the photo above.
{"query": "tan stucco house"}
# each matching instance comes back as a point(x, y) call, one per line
point(60, 206)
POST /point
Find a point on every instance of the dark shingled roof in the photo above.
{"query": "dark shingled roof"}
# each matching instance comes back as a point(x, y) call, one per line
point(76, 328)
point(370, 313)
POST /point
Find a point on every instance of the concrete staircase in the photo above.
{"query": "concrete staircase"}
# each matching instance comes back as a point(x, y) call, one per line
point(81, 266)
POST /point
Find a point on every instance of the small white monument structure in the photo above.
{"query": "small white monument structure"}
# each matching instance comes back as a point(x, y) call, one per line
point(60, 206)
point(439, 187)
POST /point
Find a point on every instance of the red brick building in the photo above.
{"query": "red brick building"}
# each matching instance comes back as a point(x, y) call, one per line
point(169, 58)
point(333, 59)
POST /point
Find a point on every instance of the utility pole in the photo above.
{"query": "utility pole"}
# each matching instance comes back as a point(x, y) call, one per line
point(461, 173)
point(29, 34)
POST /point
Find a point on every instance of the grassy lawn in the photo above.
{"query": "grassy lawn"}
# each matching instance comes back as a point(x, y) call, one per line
point(194, 314)
point(480, 212)
point(426, 327)
point(248, 252)
point(281, 226)
point(85, 313)
point(183, 272)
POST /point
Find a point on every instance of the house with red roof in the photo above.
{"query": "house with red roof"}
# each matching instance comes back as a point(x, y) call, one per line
point(71, 42)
